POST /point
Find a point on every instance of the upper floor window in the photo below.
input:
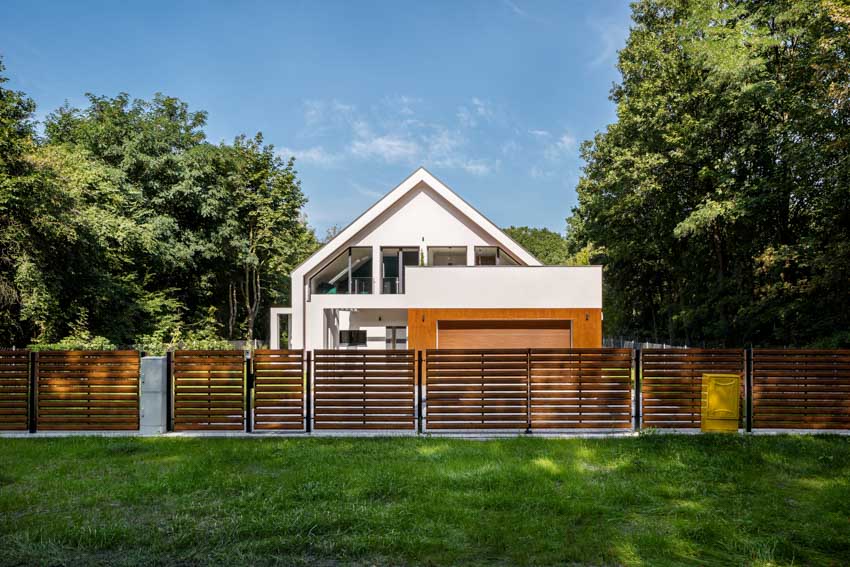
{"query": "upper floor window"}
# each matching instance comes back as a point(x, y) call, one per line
point(348, 273)
point(393, 264)
point(447, 255)
point(493, 256)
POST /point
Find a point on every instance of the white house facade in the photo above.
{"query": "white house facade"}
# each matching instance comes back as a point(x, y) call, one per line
point(423, 269)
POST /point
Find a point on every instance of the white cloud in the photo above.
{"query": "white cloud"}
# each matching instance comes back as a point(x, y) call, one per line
point(389, 148)
point(478, 167)
point(540, 133)
point(612, 36)
point(563, 146)
point(366, 191)
point(315, 155)
point(478, 109)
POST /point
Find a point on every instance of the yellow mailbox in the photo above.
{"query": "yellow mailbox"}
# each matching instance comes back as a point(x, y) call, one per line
point(720, 402)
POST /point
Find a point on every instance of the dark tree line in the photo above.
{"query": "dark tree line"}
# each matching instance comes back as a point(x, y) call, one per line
point(719, 202)
point(121, 224)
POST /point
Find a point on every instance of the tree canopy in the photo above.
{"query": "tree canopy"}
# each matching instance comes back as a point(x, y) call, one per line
point(719, 201)
point(123, 222)
point(546, 245)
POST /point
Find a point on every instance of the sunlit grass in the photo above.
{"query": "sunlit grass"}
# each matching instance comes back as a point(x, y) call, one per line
point(633, 501)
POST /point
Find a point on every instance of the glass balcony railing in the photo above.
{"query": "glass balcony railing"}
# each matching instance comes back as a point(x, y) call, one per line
point(361, 286)
point(390, 286)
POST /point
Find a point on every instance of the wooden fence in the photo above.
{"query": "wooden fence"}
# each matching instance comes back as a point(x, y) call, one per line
point(87, 390)
point(513, 389)
point(477, 389)
point(14, 389)
point(367, 389)
point(279, 389)
point(581, 388)
point(209, 390)
point(671, 385)
point(801, 389)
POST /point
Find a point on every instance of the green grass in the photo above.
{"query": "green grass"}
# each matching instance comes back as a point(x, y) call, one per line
point(651, 500)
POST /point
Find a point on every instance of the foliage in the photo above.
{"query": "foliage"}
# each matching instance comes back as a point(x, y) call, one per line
point(125, 217)
point(546, 245)
point(648, 500)
point(719, 202)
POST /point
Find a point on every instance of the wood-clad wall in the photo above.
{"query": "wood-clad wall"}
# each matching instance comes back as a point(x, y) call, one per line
point(422, 323)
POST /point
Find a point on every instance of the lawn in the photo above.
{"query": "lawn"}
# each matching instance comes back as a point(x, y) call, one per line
point(650, 500)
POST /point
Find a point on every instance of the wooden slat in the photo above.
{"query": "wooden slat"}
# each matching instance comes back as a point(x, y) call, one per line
point(801, 389)
point(87, 390)
point(209, 390)
point(14, 389)
point(671, 384)
point(279, 389)
point(370, 389)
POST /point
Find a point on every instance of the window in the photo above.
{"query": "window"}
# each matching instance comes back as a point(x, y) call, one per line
point(492, 256)
point(396, 338)
point(352, 338)
point(447, 256)
point(348, 273)
point(392, 278)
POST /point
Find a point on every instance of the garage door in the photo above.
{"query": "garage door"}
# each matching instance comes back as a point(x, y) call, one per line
point(504, 334)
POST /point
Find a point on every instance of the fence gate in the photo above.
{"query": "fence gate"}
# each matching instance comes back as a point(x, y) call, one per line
point(477, 389)
point(801, 389)
point(279, 389)
point(671, 387)
point(88, 390)
point(367, 389)
point(581, 388)
point(14, 389)
point(209, 390)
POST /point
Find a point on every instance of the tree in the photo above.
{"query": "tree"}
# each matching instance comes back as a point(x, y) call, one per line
point(123, 224)
point(546, 245)
point(719, 200)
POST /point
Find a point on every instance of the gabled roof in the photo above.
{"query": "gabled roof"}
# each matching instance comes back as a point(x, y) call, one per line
point(386, 202)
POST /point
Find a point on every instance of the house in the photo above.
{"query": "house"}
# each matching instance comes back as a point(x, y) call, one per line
point(423, 269)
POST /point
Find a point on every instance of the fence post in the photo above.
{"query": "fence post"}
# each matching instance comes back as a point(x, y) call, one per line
point(748, 386)
point(419, 391)
point(169, 390)
point(308, 404)
point(249, 387)
point(32, 416)
point(528, 391)
point(638, 399)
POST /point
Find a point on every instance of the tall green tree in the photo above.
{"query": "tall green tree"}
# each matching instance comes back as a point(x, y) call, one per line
point(719, 201)
point(546, 245)
point(124, 222)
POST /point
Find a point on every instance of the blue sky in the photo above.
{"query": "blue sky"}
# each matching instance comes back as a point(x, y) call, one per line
point(493, 97)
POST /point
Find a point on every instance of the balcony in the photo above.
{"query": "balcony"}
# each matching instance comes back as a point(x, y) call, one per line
point(350, 273)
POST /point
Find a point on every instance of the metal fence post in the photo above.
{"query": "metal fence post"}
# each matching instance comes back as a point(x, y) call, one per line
point(32, 416)
point(169, 391)
point(308, 398)
point(249, 388)
point(748, 387)
point(419, 390)
point(528, 391)
point(638, 399)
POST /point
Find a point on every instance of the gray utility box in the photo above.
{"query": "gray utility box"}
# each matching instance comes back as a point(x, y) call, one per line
point(154, 396)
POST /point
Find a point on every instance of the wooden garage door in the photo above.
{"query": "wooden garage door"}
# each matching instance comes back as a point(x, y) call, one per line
point(503, 334)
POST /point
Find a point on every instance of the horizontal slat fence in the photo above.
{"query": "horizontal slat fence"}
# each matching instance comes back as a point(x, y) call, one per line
point(477, 389)
point(209, 390)
point(88, 390)
point(369, 389)
point(581, 388)
point(801, 389)
point(14, 389)
point(279, 389)
point(671, 385)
